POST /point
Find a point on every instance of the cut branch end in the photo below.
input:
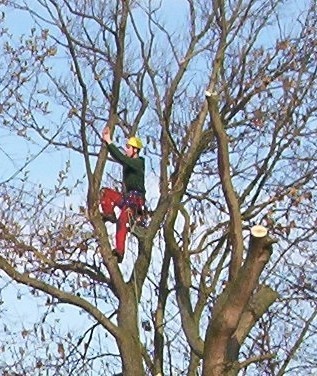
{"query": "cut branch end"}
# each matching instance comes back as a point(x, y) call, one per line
point(258, 231)
point(210, 93)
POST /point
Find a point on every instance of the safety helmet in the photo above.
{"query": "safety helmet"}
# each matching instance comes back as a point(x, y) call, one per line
point(135, 142)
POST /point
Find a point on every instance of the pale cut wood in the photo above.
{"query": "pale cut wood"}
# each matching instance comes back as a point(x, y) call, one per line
point(210, 93)
point(258, 231)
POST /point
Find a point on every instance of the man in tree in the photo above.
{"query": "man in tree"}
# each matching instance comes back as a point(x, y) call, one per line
point(132, 198)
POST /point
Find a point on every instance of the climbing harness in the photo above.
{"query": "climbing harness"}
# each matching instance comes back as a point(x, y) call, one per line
point(132, 202)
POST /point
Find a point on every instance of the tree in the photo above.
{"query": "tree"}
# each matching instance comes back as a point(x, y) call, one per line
point(222, 280)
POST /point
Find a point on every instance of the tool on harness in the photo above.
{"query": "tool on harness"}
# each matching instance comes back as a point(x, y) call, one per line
point(139, 219)
point(137, 211)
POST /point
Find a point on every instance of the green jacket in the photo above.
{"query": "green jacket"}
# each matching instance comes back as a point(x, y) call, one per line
point(133, 170)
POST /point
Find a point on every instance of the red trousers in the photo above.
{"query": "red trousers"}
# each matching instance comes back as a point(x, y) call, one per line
point(130, 204)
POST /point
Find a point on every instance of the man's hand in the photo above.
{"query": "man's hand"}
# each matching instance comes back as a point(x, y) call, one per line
point(106, 135)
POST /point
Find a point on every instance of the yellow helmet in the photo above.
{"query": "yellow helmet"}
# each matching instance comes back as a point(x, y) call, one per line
point(135, 142)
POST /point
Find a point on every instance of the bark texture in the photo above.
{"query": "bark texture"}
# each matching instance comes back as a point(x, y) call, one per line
point(233, 312)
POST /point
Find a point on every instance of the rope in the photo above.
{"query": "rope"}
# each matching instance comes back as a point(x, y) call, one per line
point(132, 223)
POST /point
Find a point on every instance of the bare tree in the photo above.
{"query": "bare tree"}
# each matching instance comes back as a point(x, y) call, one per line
point(222, 280)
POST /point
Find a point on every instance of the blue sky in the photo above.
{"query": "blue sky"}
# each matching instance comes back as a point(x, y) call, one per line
point(14, 150)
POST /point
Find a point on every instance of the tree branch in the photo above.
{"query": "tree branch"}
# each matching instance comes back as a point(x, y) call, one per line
point(233, 301)
point(62, 296)
point(228, 189)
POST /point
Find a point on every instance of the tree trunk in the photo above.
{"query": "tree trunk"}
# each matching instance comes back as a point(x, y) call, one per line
point(129, 343)
point(222, 344)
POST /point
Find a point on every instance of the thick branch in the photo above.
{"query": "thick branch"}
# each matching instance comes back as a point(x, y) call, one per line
point(233, 301)
point(183, 283)
point(239, 291)
point(62, 296)
point(258, 305)
point(228, 189)
point(159, 317)
point(189, 320)
point(115, 87)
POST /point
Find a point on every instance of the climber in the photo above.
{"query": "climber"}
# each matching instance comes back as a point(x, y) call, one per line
point(131, 200)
